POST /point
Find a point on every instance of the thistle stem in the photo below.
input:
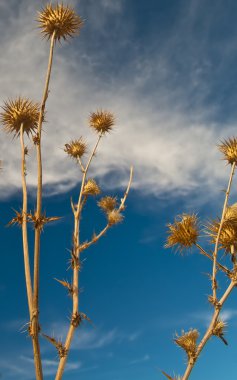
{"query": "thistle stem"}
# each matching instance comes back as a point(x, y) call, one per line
point(35, 314)
point(214, 268)
point(76, 252)
point(24, 224)
point(220, 266)
point(105, 229)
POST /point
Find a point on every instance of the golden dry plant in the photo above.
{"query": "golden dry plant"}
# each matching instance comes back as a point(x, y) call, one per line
point(21, 116)
point(221, 235)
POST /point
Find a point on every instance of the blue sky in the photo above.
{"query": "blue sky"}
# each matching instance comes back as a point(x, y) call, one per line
point(167, 69)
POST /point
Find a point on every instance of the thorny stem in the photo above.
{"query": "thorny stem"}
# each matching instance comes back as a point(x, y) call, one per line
point(209, 330)
point(24, 224)
point(220, 266)
point(35, 311)
point(214, 269)
point(76, 251)
point(121, 207)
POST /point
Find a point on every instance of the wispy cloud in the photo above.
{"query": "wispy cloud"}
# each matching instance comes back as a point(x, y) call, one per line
point(93, 338)
point(87, 339)
point(22, 367)
point(145, 358)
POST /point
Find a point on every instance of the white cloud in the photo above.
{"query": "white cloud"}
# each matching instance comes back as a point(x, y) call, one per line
point(23, 367)
point(171, 150)
point(145, 358)
point(85, 339)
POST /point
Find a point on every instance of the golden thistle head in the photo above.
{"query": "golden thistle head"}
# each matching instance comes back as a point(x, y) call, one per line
point(229, 150)
point(18, 112)
point(188, 341)
point(114, 217)
point(183, 233)
point(101, 121)
point(60, 20)
point(231, 214)
point(219, 328)
point(107, 203)
point(228, 234)
point(76, 148)
point(91, 188)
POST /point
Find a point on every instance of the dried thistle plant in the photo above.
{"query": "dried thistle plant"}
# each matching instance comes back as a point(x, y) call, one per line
point(222, 233)
point(103, 122)
point(20, 117)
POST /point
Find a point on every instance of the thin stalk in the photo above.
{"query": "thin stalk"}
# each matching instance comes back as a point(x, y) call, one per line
point(105, 229)
point(209, 330)
point(24, 224)
point(214, 268)
point(220, 266)
point(35, 314)
point(76, 252)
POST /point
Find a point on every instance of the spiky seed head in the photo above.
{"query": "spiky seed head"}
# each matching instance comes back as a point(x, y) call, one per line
point(91, 188)
point(219, 328)
point(107, 203)
point(188, 341)
point(229, 150)
point(101, 121)
point(114, 217)
point(76, 148)
point(59, 19)
point(183, 233)
point(231, 214)
point(228, 234)
point(17, 112)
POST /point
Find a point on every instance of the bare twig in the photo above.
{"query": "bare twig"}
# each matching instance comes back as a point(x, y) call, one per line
point(121, 207)
point(214, 286)
point(24, 224)
point(220, 266)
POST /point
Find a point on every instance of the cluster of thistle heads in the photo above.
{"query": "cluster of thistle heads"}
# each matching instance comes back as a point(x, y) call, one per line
point(60, 22)
point(185, 231)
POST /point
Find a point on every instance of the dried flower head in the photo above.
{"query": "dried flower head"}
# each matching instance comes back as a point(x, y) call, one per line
point(219, 330)
point(114, 217)
point(101, 121)
point(91, 188)
point(108, 203)
point(183, 233)
point(76, 148)
point(229, 149)
point(60, 20)
point(18, 112)
point(231, 214)
point(188, 341)
point(228, 234)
